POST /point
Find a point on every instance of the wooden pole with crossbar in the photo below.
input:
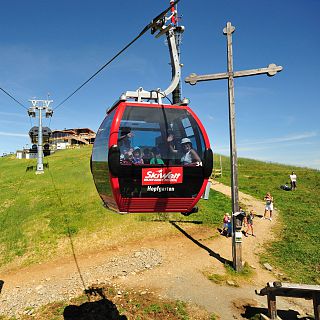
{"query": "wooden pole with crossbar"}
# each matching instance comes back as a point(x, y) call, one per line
point(193, 78)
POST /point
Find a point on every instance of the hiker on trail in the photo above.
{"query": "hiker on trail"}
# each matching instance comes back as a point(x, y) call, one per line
point(249, 220)
point(239, 218)
point(269, 206)
point(293, 181)
point(242, 217)
point(226, 220)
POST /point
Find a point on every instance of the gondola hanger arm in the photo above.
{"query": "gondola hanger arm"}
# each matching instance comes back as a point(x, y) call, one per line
point(140, 94)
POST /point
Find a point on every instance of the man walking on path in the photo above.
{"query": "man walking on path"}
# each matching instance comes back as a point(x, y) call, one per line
point(293, 181)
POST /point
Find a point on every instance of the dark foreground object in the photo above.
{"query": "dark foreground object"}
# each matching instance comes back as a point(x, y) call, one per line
point(274, 289)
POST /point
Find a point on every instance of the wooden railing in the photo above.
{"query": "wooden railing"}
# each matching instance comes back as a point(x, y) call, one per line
point(274, 289)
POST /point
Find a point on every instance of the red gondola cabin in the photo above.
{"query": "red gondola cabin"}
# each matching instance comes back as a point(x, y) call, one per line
point(151, 158)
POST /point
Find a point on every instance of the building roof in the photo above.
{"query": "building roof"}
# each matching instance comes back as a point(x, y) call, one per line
point(75, 130)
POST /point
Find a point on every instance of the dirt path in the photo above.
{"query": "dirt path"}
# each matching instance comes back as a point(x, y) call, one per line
point(172, 267)
point(182, 277)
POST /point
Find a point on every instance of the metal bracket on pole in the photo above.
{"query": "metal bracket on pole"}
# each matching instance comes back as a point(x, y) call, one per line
point(140, 94)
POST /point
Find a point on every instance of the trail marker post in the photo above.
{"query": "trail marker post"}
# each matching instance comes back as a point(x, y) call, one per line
point(193, 78)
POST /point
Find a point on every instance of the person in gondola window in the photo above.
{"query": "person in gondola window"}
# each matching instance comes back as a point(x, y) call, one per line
point(137, 159)
point(147, 156)
point(189, 154)
point(124, 141)
point(156, 159)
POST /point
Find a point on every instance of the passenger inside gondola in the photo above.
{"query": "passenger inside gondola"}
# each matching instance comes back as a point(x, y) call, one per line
point(188, 155)
point(162, 130)
point(147, 155)
point(126, 156)
point(156, 159)
point(124, 143)
point(137, 158)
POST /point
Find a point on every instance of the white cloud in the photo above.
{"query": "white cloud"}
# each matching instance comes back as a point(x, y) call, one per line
point(225, 149)
point(12, 122)
point(289, 120)
point(13, 134)
point(289, 138)
point(245, 91)
point(257, 145)
point(13, 114)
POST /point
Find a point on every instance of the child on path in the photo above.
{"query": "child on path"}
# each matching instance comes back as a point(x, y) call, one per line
point(269, 206)
point(226, 220)
point(249, 219)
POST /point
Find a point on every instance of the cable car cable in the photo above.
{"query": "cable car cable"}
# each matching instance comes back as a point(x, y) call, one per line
point(68, 229)
point(152, 24)
point(13, 98)
point(16, 192)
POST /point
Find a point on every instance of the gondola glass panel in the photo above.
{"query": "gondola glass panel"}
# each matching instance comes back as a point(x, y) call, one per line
point(150, 129)
point(151, 158)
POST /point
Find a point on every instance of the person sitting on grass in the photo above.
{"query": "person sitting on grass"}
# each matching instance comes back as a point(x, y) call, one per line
point(285, 187)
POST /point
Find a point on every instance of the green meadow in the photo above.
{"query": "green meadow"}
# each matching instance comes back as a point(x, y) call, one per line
point(296, 250)
point(41, 214)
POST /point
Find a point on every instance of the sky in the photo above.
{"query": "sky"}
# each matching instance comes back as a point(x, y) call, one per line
point(52, 47)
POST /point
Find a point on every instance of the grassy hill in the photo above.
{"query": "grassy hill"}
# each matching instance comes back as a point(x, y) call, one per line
point(41, 213)
point(297, 248)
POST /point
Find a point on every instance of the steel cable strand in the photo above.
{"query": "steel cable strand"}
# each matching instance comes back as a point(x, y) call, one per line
point(69, 232)
point(152, 24)
point(13, 98)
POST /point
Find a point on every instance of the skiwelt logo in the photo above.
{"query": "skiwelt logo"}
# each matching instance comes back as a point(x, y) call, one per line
point(169, 175)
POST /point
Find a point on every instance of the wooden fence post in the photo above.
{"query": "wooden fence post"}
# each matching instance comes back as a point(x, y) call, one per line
point(316, 306)
point(272, 306)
